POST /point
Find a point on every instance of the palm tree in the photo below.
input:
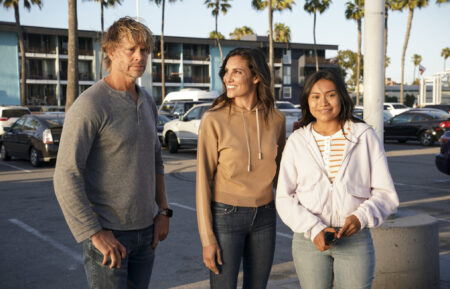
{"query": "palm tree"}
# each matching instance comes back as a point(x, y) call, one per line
point(104, 4)
point(416, 59)
point(282, 33)
point(217, 6)
point(15, 4)
point(355, 11)
point(446, 54)
point(241, 31)
point(273, 5)
point(163, 70)
point(72, 63)
point(214, 35)
point(314, 6)
point(410, 5)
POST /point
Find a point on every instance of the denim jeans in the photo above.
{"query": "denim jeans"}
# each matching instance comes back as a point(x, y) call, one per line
point(351, 261)
point(135, 270)
point(247, 234)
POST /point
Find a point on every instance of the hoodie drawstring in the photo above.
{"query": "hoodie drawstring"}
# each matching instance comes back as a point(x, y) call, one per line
point(259, 136)
point(248, 144)
point(249, 160)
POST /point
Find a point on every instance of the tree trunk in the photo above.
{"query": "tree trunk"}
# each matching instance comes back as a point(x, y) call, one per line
point(72, 66)
point(358, 62)
point(272, 76)
point(315, 48)
point(163, 68)
point(100, 68)
point(23, 98)
point(405, 45)
point(218, 40)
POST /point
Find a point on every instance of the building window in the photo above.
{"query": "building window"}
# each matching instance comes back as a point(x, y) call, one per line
point(195, 52)
point(196, 73)
point(287, 75)
point(172, 72)
point(287, 92)
point(37, 43)
point(84, 70)
point(85, 45)
point(171, 51)
point(287, 57)
point(40, 68)
point(41, 94)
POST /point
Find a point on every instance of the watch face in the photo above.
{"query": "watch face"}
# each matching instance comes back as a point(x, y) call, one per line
point(166, 212)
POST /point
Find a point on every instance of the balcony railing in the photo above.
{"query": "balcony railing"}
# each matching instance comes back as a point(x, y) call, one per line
point(196, 79)
point(196, 57)
point(35, 75)
point(40, 50)
point(81, 76)
point(169, 78)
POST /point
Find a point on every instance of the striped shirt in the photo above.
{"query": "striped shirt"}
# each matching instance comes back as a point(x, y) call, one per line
point(332, 149)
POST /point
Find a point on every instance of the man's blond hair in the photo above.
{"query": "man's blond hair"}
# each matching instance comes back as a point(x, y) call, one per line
point(125, 27)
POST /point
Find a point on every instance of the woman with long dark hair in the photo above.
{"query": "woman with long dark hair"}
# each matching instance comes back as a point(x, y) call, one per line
point(239, 148)
point(334, 184)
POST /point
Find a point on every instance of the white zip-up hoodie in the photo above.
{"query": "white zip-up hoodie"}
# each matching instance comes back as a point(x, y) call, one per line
point(308, 202)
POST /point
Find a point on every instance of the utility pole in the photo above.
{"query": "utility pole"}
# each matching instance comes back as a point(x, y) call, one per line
point(374, 58)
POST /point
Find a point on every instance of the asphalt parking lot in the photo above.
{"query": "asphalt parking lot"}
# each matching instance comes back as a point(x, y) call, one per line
point(39, 252)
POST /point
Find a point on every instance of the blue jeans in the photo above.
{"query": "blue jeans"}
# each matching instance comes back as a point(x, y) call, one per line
point(350, 260)
point(135, 270)
point(248, 234)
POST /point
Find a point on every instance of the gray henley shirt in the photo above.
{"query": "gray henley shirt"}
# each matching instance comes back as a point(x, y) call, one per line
point(108, 156)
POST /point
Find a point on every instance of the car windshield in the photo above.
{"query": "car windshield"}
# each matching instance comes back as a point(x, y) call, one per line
point(54, 122)
point(399, 106)
point(14, 112)
point(285, 105)
point(167, 107)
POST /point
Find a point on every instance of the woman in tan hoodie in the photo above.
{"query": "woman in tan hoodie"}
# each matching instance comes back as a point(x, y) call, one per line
point(239, 149)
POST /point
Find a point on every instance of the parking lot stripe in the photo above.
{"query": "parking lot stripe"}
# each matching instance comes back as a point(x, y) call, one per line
point(183, 206)
point(193, 210)
point(17, 168)
point(47, 239)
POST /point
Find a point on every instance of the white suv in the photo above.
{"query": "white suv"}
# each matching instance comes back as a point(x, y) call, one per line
point(395, 108)
point(183, 132)
point(9, 115)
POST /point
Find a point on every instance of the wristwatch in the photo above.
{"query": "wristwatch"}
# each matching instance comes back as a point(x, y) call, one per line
point(168, 212)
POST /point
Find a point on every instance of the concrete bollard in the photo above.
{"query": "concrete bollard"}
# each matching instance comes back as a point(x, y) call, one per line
point(407, 252)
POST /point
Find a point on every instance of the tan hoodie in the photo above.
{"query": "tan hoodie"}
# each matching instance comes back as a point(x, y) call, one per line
point(238, 155)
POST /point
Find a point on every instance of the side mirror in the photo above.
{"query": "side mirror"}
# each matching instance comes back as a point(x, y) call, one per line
point(180, 117)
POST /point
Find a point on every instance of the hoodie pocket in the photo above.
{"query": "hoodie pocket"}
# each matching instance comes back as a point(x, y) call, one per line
point(360, 192)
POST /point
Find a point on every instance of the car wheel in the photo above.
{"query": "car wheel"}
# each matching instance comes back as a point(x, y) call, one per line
point(426, 139)
point(34, 158)
point(5, 155)
point(172, 143)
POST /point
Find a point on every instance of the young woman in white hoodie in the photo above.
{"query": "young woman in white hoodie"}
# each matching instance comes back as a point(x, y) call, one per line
point(334, 184)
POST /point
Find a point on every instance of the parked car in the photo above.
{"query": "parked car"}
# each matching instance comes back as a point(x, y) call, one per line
point(395, 108)
point(291, 113)
point(173, 109)
point(443, 158)
point(183, 132)
point(9, 114)
point(444, 107)
point(424, 125)
point(162, 120)
point(34, 137)
point(359, 113)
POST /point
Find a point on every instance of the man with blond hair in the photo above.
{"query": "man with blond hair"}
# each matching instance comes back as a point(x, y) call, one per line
point(109, 171)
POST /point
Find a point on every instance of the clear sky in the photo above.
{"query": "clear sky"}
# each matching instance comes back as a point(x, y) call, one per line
point(430, 31)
